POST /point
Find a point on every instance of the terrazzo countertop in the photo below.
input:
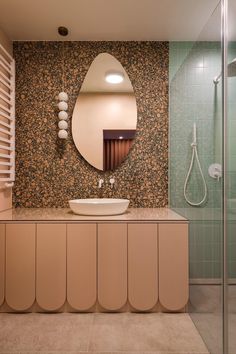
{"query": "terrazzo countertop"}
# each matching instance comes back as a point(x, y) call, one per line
point(64, 214)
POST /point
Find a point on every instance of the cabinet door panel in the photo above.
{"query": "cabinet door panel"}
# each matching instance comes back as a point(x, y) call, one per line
point(173, 265)
point(51, 266)
point(20, 266)
point(142, 266)
point(81, 266)
point(112, 266)
point(2, 263)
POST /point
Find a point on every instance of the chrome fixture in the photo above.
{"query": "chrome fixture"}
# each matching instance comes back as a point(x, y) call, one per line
point(195, 156)
point(231, 71)
point(215, 171)
point(112, 182)
point(100, 183)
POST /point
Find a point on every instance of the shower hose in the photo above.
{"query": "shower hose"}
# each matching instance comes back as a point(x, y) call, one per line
point(195, 156)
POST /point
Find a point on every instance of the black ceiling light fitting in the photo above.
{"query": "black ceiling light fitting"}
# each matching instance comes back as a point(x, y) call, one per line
point(63, 31)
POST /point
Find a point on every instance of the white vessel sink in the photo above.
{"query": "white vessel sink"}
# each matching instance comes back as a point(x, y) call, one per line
point(99, 206)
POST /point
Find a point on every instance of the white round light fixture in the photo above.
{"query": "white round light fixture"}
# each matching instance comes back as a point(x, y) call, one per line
point(63, 96)
point(62, 134)
point(113, 77)
point(62, 124)
point(63, 115)
point(63, 106)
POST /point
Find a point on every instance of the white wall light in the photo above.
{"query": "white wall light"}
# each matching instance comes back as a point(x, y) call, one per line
point(62, 124)
point(63, 106)
point(62, 134)
point(63, 96)
point(63, 115)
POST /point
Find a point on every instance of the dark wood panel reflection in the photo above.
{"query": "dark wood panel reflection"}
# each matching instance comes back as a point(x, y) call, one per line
point(116, 145)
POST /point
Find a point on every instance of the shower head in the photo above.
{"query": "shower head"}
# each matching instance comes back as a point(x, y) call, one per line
point(231, 71)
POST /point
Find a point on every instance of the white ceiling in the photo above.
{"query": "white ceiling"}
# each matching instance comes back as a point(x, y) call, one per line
point(106, 19)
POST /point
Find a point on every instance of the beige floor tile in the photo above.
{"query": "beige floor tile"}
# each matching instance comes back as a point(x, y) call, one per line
point(99, 334)
point(210, 326)
point(205, 298)
point(232, 333)
point(145, 332)
point(44, 332)
point(108, 332)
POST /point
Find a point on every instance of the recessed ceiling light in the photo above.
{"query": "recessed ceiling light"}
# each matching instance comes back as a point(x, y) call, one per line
point(120, 137)
point(114, 77)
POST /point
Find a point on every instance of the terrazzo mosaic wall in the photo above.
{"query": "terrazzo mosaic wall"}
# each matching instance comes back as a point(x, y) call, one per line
point(49, 172)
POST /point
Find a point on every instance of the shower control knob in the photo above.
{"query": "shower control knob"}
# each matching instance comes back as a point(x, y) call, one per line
point(215, 171)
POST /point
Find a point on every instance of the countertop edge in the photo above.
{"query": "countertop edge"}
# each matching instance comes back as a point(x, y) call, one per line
point(64, 215)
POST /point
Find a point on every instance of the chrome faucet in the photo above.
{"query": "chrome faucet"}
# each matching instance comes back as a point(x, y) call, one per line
point(112, 182)
point(100, 183)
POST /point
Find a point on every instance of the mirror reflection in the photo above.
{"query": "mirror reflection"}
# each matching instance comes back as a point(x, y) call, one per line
point(105, 114)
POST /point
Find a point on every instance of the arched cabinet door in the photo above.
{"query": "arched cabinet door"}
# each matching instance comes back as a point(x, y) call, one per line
point(173, 266)
point(112, 266)
point(2, 263)
point(20, 266)
point(81, 266)
point(51, 266)
point(142, 266)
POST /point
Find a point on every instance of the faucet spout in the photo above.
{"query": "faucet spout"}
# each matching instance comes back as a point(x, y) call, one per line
point(100, 183)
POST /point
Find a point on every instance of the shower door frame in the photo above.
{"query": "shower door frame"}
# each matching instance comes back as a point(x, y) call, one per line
point(224, 43)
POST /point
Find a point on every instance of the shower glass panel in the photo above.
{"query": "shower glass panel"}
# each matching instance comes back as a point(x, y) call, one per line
point(231, 175)
point(195, 170)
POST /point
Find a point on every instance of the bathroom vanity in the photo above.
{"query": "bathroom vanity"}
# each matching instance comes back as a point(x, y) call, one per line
point(54, 260)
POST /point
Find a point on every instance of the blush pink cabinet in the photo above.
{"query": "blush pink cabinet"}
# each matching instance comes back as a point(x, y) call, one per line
point(81, 266)
point(143, 266)
point(112, 266)
point(173, 266)
point(51, 266)
point(108, 266)
point(20, 266)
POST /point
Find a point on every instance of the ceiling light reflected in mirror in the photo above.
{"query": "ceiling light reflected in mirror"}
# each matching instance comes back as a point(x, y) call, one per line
point(114, 77)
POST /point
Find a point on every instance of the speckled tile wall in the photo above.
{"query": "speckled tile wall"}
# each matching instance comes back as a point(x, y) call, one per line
point(50, 172)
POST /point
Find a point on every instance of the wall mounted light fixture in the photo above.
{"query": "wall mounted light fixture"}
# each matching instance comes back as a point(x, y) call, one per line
point(63, 97)
point(63, 115)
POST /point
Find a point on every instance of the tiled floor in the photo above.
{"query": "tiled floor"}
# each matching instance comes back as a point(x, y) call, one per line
point(206, 308)
point(99, 333)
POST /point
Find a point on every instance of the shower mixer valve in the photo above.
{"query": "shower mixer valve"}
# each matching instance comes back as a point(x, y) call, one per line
point(215, 171)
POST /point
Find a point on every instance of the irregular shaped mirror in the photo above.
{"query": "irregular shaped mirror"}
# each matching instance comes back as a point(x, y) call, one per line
point(105, 114)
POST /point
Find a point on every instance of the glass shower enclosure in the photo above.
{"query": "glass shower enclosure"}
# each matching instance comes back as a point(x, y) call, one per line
point(230, 174)
point(202, 170)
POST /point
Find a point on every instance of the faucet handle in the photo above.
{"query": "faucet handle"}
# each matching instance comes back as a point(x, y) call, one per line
point(112, 182)
point(100, 183)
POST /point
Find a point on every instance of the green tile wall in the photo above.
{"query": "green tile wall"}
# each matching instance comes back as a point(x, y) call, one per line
point(231, 164)
point(195, 98)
